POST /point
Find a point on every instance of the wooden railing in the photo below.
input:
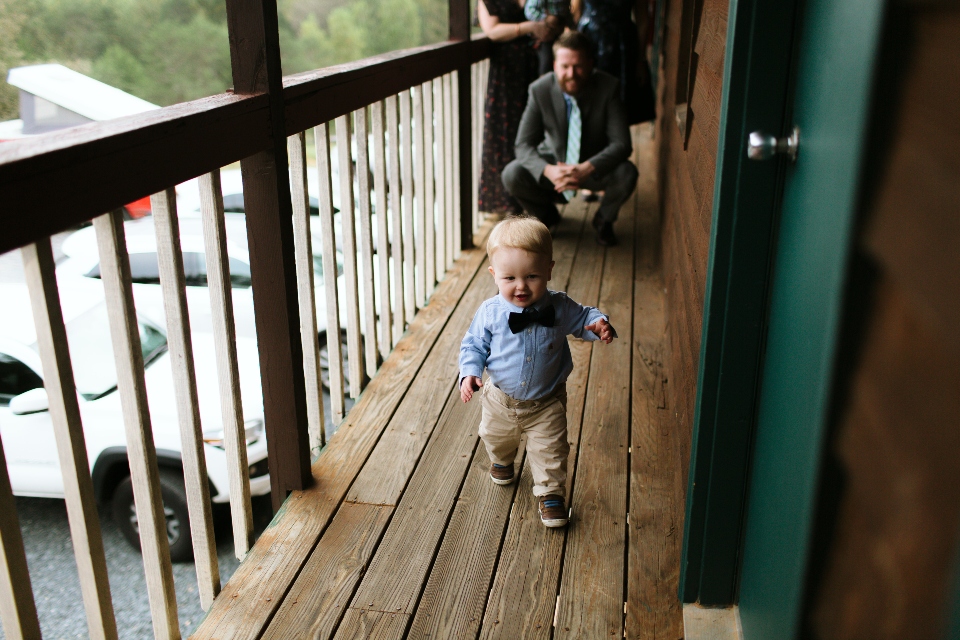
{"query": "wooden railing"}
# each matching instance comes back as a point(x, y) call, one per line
point(407, 128)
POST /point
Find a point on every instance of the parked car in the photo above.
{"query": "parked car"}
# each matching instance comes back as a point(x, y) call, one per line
point(83, 265)
point(26, 427)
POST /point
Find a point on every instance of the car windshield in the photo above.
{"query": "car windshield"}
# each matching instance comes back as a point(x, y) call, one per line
point(91, 351)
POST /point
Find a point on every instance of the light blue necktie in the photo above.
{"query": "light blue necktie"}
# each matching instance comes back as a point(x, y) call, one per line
point(573, 140)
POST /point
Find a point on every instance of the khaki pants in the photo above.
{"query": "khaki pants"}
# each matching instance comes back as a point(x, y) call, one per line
point(504, 419)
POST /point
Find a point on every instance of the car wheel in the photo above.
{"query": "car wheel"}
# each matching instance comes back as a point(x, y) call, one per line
point(324, 355)
point(174, 509)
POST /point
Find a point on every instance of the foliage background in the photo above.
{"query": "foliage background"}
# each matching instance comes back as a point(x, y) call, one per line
point(169, 51)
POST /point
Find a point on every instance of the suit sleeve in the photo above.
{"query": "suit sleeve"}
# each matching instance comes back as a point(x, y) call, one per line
point(529, 136)
point(619, 145)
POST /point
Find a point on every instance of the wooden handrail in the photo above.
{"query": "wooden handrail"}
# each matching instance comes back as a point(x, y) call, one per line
point(52, 182)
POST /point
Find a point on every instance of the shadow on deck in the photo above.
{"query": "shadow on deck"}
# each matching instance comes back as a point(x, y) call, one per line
point(404, 535)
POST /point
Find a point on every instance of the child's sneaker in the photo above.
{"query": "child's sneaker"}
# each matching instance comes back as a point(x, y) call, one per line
point(501, 473)
point(553, 511)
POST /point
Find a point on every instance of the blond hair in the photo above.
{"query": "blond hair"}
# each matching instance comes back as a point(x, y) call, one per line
point(521, 232)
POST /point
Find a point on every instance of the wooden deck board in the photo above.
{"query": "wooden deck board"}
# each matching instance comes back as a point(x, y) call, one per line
point(456, 593)
point(404, 535)
point(252, 595)
point(322, 592)
point(592, 590)
point(399, 569)
point(523, 596)
point(392, 462)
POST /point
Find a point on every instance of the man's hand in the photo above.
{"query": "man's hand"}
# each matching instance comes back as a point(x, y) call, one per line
point(568, 177)
point(602, 328)
point(468, 386)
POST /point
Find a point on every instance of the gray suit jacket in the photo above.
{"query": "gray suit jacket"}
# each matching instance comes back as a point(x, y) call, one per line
point(605, 134)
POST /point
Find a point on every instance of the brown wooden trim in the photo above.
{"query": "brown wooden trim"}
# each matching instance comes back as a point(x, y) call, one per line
point(53, 182)
point(459, 19)
point(465, 136)
point(325, 94)
point(255, 57)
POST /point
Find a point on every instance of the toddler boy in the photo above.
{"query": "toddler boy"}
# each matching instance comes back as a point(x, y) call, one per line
point(520, 337)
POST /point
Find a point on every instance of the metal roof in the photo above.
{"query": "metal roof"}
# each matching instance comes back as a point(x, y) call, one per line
point(76, 92)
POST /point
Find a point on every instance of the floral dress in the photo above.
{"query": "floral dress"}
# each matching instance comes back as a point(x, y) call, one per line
point(513, 66)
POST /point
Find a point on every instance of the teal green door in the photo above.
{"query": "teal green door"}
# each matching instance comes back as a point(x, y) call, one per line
point(835, 57)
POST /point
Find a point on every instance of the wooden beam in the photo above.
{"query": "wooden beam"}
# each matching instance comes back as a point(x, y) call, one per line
point(148, 152)
point(459, 19)
point(102, 166)
point(322, 95)
point(255, 59)
point(460, 30)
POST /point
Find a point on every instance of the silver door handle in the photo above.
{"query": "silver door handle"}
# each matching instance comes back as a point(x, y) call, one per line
point(763, 146)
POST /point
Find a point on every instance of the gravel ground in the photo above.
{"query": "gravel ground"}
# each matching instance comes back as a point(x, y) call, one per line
point(56, 586)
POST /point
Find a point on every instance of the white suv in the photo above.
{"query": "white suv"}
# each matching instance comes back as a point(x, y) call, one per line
point(26, 428)
point(83, 264)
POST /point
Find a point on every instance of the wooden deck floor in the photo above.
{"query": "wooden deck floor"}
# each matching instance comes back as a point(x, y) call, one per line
point(405, 536)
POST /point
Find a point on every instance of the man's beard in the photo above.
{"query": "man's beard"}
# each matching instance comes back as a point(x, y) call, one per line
point(570, 87)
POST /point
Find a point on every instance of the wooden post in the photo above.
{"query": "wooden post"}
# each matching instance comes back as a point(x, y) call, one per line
point(255, 58)
point(460, 30)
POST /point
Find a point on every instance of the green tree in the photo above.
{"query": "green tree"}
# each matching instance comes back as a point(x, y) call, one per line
point(120, 68)
point(11, 21)
point(392, 25)
point(434, 20)
point(185, 61)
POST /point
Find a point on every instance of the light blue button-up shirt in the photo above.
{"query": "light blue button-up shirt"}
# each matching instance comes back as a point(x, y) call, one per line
point(530, 364)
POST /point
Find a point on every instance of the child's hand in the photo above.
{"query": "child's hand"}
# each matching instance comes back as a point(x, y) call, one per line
point(468, 386)
point(603, 329)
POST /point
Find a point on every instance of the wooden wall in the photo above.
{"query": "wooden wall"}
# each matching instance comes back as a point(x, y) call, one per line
point(687, 180)
point(891, 510)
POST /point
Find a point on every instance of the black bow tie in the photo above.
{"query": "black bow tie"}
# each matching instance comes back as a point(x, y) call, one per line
point(520, 321)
